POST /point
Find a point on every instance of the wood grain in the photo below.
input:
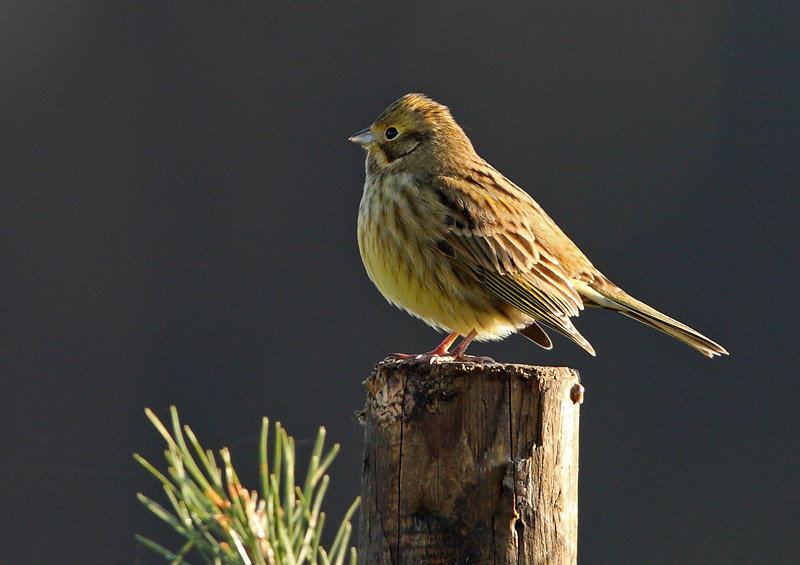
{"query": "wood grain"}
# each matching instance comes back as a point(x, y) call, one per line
point(469, 463)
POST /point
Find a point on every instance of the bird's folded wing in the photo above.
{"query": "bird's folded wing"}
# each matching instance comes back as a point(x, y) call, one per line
point(489, 236)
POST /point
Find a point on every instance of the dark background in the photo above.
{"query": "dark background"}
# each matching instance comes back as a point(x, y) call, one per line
point(178, 227)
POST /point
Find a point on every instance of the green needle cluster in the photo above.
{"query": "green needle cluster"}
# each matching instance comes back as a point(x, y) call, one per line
point(227, 524)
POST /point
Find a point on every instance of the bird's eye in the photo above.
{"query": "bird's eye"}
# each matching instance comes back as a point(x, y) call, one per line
point(391, 133)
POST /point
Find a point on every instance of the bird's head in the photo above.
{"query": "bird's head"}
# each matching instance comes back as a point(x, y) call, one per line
point(414, 133)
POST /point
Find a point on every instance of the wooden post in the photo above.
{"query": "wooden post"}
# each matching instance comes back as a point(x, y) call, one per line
point(470, 463)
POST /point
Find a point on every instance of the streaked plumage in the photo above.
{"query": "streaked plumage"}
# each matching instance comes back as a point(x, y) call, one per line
point(448, 238)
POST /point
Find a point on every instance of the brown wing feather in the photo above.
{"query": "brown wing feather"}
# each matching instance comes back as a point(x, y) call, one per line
point(537, 335)
point(491, 233)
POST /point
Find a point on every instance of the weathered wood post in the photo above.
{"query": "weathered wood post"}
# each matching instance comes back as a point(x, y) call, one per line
point(470, 463)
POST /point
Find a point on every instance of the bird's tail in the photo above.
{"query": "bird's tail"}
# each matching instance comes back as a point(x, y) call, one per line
point(614, 298)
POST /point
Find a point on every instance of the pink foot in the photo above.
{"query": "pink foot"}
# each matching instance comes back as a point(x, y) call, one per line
point(443, 353)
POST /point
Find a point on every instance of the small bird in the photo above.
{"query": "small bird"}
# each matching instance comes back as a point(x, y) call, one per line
point(446, 237)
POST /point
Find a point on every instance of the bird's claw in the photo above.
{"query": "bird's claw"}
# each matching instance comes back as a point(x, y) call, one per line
point(433, 358)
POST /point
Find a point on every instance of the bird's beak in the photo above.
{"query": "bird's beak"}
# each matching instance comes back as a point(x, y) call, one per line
point(363, 138)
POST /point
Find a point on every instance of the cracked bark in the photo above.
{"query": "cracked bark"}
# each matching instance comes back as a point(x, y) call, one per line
point(469, 463)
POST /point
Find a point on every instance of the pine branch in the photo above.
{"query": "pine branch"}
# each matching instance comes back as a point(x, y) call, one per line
point(224, 523)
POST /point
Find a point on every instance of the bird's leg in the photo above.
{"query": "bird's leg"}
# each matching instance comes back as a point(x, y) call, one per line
point(441, 350)
point(462, 347)
point(444, 347)
point(458, 352)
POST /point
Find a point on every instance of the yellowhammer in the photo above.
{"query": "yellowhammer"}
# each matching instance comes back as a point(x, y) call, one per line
point(448, 238)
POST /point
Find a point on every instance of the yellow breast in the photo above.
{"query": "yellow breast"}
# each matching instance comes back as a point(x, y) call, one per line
point(396, 237)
